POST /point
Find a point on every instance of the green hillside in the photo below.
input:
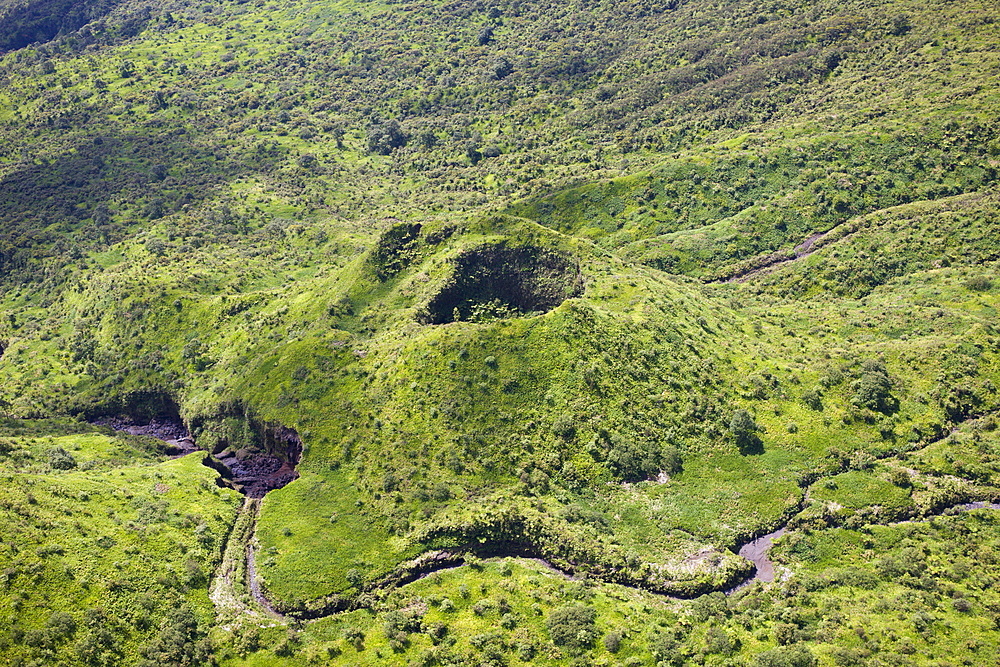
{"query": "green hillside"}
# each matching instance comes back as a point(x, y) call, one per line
point(551, 308)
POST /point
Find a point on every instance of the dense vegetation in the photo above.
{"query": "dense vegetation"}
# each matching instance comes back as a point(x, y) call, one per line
point(576, 298)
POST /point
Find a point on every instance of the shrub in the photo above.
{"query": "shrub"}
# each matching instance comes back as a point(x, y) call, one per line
point(179, 643)
point(613, 641)
point(482, 607)
point(872, 389)
point(384, 137)
point(812, 399)
point(60, 459)
point(786, 656)
point(634, 460)
point(718, 640)
point(666, 649)
point(713, 605)
point(744, 430)
point(355, 637)
point(979, 284)
point(572, 626)
point(564, 427)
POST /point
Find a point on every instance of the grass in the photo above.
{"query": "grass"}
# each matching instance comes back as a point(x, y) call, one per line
point(219, 248)
point(130, 540)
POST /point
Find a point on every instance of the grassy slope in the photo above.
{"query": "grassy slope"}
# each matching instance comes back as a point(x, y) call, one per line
point(236, 270)
point(115, 542)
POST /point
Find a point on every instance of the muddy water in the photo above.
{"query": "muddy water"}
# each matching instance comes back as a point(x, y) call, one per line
point(756, 552)
point(978, 506)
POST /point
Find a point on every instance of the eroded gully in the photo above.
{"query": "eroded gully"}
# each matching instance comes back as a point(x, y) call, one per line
point(236, 589)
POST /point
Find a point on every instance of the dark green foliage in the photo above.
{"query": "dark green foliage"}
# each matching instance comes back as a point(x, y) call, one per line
point(507, 280)
point(355, 637)
point(60, 459)
point(634, 459)
point(711, 606)
point(395, 249)
point(385, 136)
point(180, 642)
point(786, 656)
point(744, 431)
point(501, 68)
point(717, 640)
point(572, 626)
point(979, 284)
point(872, 390)
point(398, 626)
point(666, 648)
point(813, 399)
point(39, 21)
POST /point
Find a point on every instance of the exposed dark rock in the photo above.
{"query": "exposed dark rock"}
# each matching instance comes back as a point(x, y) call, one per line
point(255, 474)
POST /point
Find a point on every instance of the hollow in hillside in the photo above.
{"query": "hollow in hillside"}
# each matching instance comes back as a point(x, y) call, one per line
point(495, 281)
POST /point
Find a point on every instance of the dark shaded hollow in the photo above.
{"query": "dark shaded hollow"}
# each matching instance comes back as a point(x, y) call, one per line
point(265, 462)
point(137, 407)
point(498, 280)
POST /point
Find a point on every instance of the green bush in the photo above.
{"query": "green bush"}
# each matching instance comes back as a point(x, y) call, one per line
point(60, 459)
point(812, 399)
point(786, 656)
point(613, 640)
point(572, 626)
point(744, 430)
point(872, 389)
point(979, 284)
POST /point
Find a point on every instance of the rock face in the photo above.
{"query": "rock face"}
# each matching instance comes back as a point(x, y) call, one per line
point(178, 439)
point(251, 472)
point(255, 474)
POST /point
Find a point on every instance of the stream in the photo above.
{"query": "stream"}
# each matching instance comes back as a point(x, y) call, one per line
point(756, 551)
point(252, 474)
point(255, 474)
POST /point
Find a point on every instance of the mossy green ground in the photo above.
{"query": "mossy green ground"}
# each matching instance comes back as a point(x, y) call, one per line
point(115, 543)
point(200, 211)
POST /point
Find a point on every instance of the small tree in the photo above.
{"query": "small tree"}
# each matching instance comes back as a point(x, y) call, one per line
point(385, 136)
point(744, 430)
point(872, 389)
point(812, 399)
point(60, 459)
point(573, 626)
point(786, 656)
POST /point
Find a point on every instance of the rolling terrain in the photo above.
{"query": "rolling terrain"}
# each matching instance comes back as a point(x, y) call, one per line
point(488, 333)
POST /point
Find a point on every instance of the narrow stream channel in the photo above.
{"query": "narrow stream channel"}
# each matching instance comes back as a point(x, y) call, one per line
point(253, 475)
point(756, 551)
point(256, 474)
